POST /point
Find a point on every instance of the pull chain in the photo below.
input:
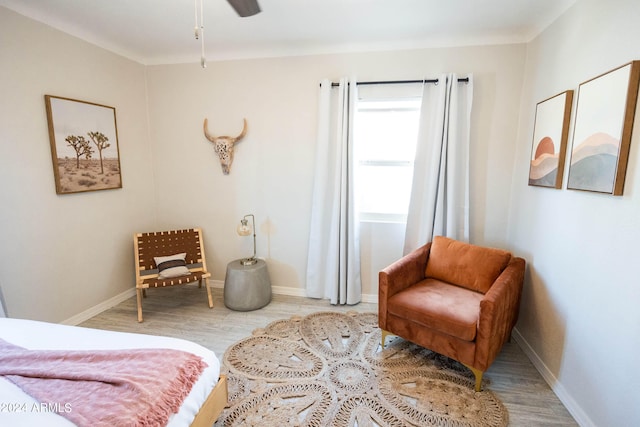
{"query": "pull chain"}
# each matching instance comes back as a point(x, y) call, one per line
point(199, 31)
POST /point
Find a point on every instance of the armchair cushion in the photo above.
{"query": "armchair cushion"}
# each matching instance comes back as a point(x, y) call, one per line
point(472, 267)
point(439, 306)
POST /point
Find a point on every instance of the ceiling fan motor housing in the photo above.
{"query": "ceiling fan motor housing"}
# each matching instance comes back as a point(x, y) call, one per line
point(245, 8)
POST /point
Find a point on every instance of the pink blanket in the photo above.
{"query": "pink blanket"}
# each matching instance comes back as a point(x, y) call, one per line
point(140, 387)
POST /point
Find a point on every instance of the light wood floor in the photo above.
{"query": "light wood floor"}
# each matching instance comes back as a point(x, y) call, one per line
point(183, 312)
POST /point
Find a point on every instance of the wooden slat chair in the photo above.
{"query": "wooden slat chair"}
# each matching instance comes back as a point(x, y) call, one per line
point(147, 246)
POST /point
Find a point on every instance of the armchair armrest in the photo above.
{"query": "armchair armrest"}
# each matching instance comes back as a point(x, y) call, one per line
point(403, 273)
point(499, 312)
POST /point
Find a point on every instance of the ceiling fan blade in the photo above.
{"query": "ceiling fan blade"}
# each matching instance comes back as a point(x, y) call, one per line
point(245, 8)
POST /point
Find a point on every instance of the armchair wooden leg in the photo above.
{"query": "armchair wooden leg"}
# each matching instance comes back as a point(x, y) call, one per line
point(206, 284)
point(200, 283)
point(139, 293)
point(478, 374)
point(384, 336)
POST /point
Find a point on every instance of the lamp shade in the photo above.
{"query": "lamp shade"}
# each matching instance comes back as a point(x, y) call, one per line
point(244, 229)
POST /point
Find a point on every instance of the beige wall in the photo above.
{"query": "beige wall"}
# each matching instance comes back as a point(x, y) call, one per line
point(62, 255)
point(172, 178)
point(580, 321)
point(273, 167)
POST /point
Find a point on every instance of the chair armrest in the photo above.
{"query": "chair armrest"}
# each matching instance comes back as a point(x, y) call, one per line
point(403, 273)
point(498, 313)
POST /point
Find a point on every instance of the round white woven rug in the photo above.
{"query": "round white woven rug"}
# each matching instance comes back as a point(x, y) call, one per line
point(328, 369)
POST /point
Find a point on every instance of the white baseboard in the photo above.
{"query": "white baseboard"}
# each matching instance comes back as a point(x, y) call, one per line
point(292, 292)
point(572, 406)
point(295, 292)
point(370, 298)
point(97, 309)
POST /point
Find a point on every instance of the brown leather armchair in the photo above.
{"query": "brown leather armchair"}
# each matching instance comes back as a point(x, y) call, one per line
point(454, 298)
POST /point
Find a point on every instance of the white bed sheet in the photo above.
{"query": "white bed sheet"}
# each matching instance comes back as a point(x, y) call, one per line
point(19, 409)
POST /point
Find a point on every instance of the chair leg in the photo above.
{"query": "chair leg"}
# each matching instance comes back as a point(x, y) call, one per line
point(139, 293)
point(206, 284)
point(200, 283)
point(384, 334)
point(478, 374)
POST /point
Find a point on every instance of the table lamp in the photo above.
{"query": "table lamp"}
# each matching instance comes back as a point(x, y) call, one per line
point(244, 229)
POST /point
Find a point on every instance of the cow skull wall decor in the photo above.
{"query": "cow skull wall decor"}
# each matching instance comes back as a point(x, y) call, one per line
point(224, 146)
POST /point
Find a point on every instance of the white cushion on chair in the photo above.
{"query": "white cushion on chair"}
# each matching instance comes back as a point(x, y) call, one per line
point(171, 266)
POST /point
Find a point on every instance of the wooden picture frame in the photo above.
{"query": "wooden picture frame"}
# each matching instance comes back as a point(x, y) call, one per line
point(84, 145)
point(550, 136)
point(602, 132)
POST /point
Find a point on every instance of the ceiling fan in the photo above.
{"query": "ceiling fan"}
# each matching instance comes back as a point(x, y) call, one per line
point(245, 8)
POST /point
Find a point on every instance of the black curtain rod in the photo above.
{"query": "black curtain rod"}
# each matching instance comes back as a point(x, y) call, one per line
point(394, 82)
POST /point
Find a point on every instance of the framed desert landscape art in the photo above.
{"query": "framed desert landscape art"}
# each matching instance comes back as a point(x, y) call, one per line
point(550, 135)
point(84, 145)
point(602, 132)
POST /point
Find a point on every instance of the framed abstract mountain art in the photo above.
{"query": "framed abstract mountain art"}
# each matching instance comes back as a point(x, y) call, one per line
point(602, 132)
point(550, 135)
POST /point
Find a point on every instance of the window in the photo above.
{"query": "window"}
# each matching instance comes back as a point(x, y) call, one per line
point(385, 135)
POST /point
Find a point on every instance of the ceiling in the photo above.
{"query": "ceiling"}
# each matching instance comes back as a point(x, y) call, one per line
point(162, 31)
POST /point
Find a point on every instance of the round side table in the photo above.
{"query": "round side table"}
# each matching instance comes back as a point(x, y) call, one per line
point(247, 287)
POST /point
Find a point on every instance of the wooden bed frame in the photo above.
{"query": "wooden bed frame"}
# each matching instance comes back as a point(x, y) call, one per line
point(213, 406)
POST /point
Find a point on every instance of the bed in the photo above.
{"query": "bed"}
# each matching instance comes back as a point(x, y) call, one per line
point(201, 407)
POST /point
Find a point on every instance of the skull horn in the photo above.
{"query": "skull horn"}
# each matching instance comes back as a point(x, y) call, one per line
point(212, 138)
point(206, 132)
point(243, 133)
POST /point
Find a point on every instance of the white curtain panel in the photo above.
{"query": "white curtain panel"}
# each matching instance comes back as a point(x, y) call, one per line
point(439, 204)
point(333, 263)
